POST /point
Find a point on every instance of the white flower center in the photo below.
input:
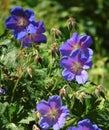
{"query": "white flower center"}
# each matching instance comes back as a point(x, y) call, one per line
point(22, 22)
point(76, 67)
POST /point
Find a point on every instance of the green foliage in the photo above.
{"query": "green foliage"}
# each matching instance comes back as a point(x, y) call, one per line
point(27, 79)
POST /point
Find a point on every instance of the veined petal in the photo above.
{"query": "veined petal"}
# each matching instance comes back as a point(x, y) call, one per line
point(43, 107)
point(29, 13)
point(88, 52)
point(18, 11)
point(87, 42)
point(40, 27)
point(73, 128)
point(39, 38)
point(19, 34)
point(73, 40)
point(55, 102)
point(11, 23)
point(65, 49)
point(82, 78)
point(31, 29)
point(45, 123)
point(66, 62)
point(65, 112)
point(59, 124)
point(69, 76)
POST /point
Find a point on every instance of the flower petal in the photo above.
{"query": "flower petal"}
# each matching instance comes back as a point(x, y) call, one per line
point(39, 38)
point(65, 49)
point(40, 27)
point(43, 107)
point(87, 42)
point(17, 11)
point(19, 34)
point(66, 62)
point(11, 23)
point(82, 78)
point(29, 13)
point(65, 112)
point(45, 123)
point(31, 29)
point(73, 40)
point(55, 101)
point(68, 75)
point(88, 52)
point(59, 124)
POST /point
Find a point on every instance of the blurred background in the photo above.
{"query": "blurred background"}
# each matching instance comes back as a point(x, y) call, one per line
point(92, 18)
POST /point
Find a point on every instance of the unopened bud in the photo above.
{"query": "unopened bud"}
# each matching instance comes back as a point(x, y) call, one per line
point(71, 23)
point(56, 33)
point(37, 115)
point(38, 59)
point(54, 50)
point(81, 96)
point(35, 127)
point(62, 92)
point(30, 71)
point(99, 91)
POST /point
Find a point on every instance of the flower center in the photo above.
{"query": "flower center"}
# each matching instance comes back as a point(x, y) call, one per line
point(76, 67)
point(22, 22)
point(77, 46)
point(53, 114)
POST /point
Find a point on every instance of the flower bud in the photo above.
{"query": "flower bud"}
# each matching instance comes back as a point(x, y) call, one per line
point(56, 33)
point(38, 59)
point(62, 92)
point(54, 50)
point(71, 23)
point(81, 96)
point(30, 71)
point(35, 127)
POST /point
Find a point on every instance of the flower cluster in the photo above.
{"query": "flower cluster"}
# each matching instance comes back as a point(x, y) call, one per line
point(25, 28)
point(76, 58)
point(85, 125)
point(53, 114)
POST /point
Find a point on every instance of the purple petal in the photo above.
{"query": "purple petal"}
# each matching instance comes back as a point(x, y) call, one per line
point(66, 62)
point(29, 13)
point(17, 11)
point(40, 27)
point(11, 23)
point(59, 124)
point(19, 34)
point(45, 123)
point(65, 49)
point(87, 64)
point(26, 41)
point(88, 52)
point(65, 112)
point(43, 107)
point(2, 91)
point(87, 42)
point(68, 75)
point(82, 39)
point(73, 40)
point(31, 29)
point(55, 102)
point(82, 78)
point(39, 38)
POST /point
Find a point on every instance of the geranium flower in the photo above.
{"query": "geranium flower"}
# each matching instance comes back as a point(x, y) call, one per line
point(53, 114)
point(36, 37)
point(2, 91)
point(75, 66)
point(85, 125)
point(77, 42)
point(21, 21)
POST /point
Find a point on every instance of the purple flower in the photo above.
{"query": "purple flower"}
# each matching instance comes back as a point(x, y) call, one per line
point(85, 125)
point(36, 37)
point(77, 42)
point(21, 22)
point(75, 66)
point(2, 91)
point(53, 114)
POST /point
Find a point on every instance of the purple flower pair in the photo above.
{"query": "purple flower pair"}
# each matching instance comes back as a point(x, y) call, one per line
point(85, 125)
point(53, 114)
point(25, 28)
point(76, 58)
